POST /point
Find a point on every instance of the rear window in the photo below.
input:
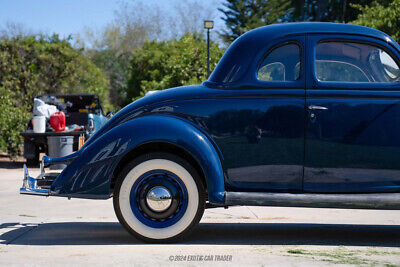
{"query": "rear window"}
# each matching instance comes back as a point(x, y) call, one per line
point(281, 64)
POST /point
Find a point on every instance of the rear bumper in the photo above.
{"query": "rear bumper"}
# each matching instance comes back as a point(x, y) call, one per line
point(41, 185)
point(36, 186)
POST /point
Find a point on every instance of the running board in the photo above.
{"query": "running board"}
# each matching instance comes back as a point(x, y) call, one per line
point(384, 201)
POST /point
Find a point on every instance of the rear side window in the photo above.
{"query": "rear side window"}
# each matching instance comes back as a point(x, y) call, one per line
point(354, 62)
point(281, 64)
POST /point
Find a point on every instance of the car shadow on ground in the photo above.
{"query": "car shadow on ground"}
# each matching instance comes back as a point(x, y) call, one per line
point(112, 233)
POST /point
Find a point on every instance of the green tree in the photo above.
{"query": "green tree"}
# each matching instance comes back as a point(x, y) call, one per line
point(34, 65)
point(327, 10)
point(115, 65)
point(13, 121)
point(111, 49)
point(166, 64)
point(134, 23)
point(382, 17)
point(241, 16)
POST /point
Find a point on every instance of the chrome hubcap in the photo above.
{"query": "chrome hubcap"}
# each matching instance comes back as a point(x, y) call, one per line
point(159, 199)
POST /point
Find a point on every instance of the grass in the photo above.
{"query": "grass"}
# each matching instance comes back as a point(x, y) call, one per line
point(382, 253)
point(297, 251)
point(342, 255)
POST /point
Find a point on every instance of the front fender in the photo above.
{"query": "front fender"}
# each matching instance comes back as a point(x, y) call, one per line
point(91, 172)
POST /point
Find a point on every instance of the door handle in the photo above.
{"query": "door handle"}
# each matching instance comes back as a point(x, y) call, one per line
point(314, 107)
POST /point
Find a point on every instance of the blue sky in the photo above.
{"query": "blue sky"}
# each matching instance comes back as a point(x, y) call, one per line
point(59, 16)
point(65, 16)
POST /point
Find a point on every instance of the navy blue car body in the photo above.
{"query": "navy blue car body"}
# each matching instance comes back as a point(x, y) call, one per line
point(304, 136)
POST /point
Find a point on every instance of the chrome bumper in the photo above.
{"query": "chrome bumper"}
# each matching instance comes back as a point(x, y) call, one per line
point(30, 185)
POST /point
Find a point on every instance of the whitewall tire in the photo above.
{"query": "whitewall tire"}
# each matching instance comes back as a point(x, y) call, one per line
point(159, 197)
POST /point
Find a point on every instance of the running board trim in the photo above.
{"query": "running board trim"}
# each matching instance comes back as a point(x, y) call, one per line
point(388, 201)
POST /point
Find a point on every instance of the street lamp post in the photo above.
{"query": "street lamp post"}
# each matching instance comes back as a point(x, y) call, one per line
point(208, 24)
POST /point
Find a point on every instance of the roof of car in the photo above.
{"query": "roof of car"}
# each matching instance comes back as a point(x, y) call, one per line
point(277, 30)
point(243, 49)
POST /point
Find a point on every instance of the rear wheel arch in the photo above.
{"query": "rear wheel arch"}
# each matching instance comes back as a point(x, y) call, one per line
point(157, 147)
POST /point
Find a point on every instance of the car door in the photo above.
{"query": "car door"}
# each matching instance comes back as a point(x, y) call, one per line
point(260, 131)
point(353, 118)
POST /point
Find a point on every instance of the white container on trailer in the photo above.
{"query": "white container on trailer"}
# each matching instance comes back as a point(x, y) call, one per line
point(39, 124)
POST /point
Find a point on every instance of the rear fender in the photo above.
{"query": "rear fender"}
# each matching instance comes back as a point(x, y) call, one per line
point(91, 172)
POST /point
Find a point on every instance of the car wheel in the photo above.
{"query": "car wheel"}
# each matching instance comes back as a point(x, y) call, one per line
point(159, 197)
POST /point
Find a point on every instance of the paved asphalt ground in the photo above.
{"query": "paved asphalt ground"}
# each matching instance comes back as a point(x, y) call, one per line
point(57, 231)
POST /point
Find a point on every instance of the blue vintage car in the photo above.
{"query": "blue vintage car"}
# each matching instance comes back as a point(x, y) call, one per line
point(297, 114)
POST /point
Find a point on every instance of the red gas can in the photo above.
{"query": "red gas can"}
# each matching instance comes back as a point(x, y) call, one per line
point(57, 121)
